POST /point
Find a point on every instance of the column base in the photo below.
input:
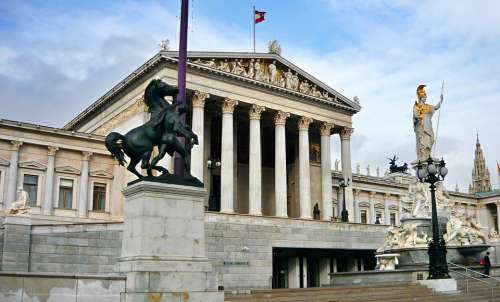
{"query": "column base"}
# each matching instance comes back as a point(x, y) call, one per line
point(227, 211)
point(255, 214)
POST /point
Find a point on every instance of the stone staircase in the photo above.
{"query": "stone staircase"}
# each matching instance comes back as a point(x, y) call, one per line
point(396, 292)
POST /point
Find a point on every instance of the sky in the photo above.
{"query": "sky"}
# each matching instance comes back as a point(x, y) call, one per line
point(59, 56)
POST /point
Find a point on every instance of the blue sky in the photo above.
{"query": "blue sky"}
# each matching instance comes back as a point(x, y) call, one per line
point(56, 57)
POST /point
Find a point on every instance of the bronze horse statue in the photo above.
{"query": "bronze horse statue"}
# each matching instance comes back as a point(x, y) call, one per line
point(394, 168)
point(161, 130)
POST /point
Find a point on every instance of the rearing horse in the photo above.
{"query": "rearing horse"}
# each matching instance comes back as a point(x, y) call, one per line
point(161, 130)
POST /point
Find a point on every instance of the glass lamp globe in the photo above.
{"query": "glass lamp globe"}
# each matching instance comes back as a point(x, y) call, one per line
point(209, 163)
point(443, 171)
point(432, 169)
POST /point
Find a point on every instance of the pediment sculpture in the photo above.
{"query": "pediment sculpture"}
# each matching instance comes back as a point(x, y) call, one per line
point(268, 71)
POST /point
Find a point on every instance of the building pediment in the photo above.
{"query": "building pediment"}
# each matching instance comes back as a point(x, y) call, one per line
point(363, 204)
point(67, 170)
point(379, 205)
point(4, 162)
point(101, 174)
point(393, 207)
point(273, 72)
point(32, 165)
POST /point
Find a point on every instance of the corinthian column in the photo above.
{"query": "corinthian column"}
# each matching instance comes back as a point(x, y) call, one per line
point(84, 185)
point(13, 169)
point(372, 218)
point(280, 164)
point(345, 148)
point(197, 160)
point(326, 172)
point(227, 164)
point(48, 201)
point(255, 164)
point(304, 168)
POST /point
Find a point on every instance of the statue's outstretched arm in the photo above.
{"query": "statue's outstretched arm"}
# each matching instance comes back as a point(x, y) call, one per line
point(438, 105)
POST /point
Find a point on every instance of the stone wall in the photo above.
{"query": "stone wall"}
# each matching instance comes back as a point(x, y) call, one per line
point(18, 287)
point(241, 245)
point(84, 249)
point(1, 247)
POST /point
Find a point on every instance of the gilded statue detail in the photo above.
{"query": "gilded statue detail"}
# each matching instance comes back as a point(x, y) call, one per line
point(422, 123)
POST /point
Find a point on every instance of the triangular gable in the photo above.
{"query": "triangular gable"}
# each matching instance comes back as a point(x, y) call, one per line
point(272, 70)
point(4, 162)
point(67, 170)
point(31, 164)
point(322, 93)
point(101, 174)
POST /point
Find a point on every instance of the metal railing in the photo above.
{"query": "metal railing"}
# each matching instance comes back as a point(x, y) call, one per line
point(468, 274)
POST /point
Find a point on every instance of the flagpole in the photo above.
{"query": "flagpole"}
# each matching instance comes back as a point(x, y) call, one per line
point(253, 22)
point(181, 78)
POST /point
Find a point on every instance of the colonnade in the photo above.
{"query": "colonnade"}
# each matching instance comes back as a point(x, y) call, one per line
point(280, 167)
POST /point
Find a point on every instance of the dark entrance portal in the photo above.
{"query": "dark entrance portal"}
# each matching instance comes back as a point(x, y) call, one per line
point(302, 267)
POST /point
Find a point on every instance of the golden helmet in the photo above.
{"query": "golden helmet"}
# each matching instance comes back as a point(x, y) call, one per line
point(421, 91)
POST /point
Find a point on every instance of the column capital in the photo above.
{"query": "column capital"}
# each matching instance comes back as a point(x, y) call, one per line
point(52, 150)
point(199, 98)
point(356, 192)
point(86, 155)
point(228, 105)
point(325, 128)
point(346, 133)
point(256, 111)
point(280, 117)
point(372, 194)
point(387, 195)
point(304, 123)
point(16, 145)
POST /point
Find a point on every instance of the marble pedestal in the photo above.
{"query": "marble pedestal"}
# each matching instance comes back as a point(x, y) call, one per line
point(163, 248)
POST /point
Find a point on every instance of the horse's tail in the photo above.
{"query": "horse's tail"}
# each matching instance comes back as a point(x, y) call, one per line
point(112, 145)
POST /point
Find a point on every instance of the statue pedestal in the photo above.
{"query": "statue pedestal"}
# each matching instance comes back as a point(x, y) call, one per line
point(163, 247)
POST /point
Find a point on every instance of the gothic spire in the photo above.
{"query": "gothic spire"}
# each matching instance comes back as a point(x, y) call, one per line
point(480, 173)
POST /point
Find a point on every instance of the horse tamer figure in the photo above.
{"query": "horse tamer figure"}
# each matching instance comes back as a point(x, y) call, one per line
point(161, 130)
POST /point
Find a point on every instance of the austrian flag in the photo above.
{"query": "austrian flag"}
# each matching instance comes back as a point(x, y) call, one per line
point(258, 16)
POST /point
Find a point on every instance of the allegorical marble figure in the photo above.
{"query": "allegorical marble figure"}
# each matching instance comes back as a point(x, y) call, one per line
point(422, 123)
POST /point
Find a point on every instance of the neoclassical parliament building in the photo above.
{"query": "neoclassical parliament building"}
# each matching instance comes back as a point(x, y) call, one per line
point(273, 207)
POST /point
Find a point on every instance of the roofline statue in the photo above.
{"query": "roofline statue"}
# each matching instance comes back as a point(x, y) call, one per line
point(162, 131)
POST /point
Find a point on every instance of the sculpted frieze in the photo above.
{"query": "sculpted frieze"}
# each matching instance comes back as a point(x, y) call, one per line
point(267, 71)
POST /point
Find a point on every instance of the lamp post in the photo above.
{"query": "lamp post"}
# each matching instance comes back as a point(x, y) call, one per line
point(432, 172)
point(344, 214)
point(211, 165)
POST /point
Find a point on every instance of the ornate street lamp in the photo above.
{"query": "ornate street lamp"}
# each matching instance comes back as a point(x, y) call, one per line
point(432, 172)
point(211, 165)
point(344, 214)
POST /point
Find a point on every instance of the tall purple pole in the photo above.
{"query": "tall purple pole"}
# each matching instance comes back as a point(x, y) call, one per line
point(181, 76)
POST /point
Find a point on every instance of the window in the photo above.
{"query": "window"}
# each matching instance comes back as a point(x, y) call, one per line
point(363, 216)
point(378, 217)
point(99, 198)
point(393, 218)
point(66, 194)
point(30, 185)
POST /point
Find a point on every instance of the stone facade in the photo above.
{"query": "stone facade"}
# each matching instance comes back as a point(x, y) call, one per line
point(277, 166)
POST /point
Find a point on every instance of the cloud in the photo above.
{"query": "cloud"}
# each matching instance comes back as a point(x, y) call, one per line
point(55, 61)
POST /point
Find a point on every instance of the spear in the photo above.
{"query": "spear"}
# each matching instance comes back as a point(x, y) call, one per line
point(439, 116)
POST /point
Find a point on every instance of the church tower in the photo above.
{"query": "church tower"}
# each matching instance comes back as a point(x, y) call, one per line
point(480, 174)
